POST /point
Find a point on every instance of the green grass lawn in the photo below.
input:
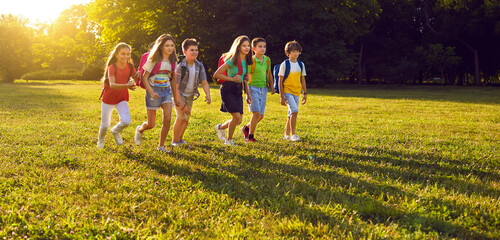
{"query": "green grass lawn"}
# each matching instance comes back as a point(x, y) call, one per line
point(374, 162)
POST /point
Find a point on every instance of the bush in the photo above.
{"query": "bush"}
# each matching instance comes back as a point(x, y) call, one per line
point(65, 74)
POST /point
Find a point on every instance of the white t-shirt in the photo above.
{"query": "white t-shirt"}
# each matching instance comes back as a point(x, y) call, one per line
point(191, 81)
point(162, 77)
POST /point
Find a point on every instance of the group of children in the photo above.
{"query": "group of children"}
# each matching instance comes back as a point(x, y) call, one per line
point(170, 83)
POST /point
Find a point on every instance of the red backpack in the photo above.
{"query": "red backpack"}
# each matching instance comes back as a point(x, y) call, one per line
point(156, 68)
point(221, 62)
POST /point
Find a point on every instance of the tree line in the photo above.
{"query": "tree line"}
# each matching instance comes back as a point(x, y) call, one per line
point(450, 42)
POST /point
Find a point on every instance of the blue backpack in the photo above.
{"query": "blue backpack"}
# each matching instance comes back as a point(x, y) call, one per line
point(276, 71)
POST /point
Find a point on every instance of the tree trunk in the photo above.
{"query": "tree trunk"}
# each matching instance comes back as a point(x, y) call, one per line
point(359, 71)
point(477, 79)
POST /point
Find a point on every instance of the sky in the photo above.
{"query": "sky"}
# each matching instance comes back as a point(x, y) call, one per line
point(38, 10)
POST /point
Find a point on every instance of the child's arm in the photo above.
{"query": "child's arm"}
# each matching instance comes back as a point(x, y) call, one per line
point(247, 91)
point(145, 80)
point(174, 86)
point(282, 94)
point(114, 85)
point(218, 74)
point(206, 88)
point(270, 81)
point(304, 90)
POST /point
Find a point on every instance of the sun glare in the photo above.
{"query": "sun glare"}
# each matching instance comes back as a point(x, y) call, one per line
point(36, 10)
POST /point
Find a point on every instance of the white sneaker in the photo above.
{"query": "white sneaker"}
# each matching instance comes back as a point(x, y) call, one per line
point(100, 144)
point(286, 137)
point(162, 149)
point(118, 138)
point(221, 134)
point(229, 142)
point(138, 136)
point(295, 138)
point(176, 144)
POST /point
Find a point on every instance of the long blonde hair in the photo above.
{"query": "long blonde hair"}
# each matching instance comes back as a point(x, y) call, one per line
point(235, 51)
point(112, 58)
point(156, 55)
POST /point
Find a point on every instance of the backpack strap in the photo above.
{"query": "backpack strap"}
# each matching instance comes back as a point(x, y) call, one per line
point(130, 68)
point(106, 81)
point(240, 65)
point(287, 69)
point(301, 67)
point(253, 64)
point(183, 72)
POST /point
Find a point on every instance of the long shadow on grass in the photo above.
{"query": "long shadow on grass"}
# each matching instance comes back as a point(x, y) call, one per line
point(425, 168)
point(379, 170)
point(294, 191)
point(483, 95)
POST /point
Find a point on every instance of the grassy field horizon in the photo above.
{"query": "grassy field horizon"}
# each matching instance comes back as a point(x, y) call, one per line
point(375, 162)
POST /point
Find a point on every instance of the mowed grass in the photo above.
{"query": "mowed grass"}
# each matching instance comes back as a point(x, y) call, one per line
point(374, 162)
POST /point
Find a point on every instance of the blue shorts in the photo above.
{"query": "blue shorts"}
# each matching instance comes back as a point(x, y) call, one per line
point(259, 98)
point(165, 97)
point(293, 103)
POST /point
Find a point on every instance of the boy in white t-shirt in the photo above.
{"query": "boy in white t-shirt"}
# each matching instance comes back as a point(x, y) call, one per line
point(291, 86)
point(189, 73)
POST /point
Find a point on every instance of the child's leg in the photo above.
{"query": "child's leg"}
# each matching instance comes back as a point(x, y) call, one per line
point(150, 123)
point(182, 119)
point(288, 128)
point(167, 114)
point(235, 121)
point(256, 117)
point(293, 109)
point(106, 111)
point(124, 114)
point(179, 119)
point(293, 123)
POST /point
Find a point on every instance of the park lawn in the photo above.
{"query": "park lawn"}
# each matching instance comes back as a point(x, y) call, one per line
point(374, 162)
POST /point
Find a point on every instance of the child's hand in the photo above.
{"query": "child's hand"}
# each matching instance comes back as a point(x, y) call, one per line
point(236, 78)
point(155, 95)
point(137, 75)
point(249, 99)
point(304, 99)
point(283, 100)
point(208, 100)
point(186, 110)
point(272, 91)
point(246, 78)
point(131, 87)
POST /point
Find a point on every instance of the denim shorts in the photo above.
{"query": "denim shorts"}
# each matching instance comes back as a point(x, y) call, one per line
point(293, 103)
point(259, 98)
point(165, 97)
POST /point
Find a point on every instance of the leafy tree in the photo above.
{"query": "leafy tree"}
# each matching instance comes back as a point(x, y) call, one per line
point(324, 28)
point(438, 61)
point(472, 25)
point(15, 47)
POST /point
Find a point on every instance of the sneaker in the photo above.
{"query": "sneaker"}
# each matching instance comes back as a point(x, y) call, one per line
point(251, 140)
point(286, 137)
point(245, 132)
point(182, 142)
point(118, 138)
point(221, 134)
point(138, 136)
point(162, 149)
point(100, 144)
point(295, 138)
point(176, 144)
point(229, 142)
